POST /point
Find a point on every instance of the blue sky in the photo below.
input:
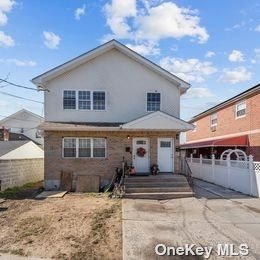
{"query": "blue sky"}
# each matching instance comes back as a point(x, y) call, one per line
point(214, 45)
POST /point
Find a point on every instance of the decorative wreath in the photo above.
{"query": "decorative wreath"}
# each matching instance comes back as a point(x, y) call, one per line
point(141, 152)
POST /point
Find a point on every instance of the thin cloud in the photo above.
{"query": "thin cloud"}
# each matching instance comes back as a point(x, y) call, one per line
point(190, 69)
point(80, 12)
point(6, 40)
point(236, 56)
point(5, 7)
point(236, 75)
point(19, 63)
point(51, 40)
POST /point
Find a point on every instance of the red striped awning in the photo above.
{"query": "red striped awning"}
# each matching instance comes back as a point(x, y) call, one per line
point(224, 142)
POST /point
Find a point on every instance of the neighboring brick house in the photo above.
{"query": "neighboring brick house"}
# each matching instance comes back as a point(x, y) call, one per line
point(234, 123)
point(108, 104)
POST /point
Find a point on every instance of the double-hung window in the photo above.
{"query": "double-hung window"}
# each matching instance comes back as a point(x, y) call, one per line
point(69, 99)
point(99, 100)
point(84, 100)
point(84, 147)
point(153, 102)
point(69, 147)
point(213, 119)
point(241, 109)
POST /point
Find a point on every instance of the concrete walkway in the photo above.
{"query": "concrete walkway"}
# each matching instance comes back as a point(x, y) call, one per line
point(215, 216)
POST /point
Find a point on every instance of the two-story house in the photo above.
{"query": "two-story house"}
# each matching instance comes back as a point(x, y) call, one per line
point(107, 104)
point(232, 124)
point(23, 125)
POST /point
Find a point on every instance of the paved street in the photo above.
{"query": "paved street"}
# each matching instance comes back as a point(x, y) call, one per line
point(215, 216)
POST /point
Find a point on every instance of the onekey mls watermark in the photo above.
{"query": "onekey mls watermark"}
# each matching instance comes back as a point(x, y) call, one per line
point(205, 251)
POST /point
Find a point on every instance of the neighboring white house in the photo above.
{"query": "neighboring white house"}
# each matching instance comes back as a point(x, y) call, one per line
point(13, 150)
point(24, 122)
point(107, 104)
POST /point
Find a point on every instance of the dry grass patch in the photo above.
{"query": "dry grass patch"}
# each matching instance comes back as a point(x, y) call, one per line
point(73, 227)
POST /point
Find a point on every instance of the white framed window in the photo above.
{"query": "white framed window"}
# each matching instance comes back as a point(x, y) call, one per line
point(153, 102)
point(214, 119)
point(241, 109)
point(69, 99)
point(84, 147)
point(99, 100)
point(69, 147)
point(84, 100)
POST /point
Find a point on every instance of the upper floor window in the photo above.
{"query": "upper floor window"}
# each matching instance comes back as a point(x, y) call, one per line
point(241, 109)
point(69, 99)
point(213, 119)
point(153, 102)
point(84, 100)
point(99, 100)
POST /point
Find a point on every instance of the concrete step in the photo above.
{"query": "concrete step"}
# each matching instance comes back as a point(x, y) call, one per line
point(157, 184)
point(156, 189)
point(159, 195)
point(154, 179)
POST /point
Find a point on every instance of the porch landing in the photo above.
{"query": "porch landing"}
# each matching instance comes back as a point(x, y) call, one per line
point(161, 186)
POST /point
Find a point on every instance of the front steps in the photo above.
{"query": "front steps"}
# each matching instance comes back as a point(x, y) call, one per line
point(161, 186)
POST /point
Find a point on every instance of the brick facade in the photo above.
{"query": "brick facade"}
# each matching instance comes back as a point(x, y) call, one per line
point(103, 167)
point(228, 124)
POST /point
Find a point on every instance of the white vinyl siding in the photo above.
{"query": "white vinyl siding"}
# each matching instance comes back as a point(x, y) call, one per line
point(84, 100)
point(241, 109)
point(85, 147)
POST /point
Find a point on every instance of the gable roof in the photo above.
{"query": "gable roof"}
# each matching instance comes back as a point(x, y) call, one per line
point(40, 80)
point(8, 146)
point(18, 113)
point(158, 121)
point(244, 94)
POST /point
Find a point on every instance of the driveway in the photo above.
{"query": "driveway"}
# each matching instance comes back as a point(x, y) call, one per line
point(214, 216)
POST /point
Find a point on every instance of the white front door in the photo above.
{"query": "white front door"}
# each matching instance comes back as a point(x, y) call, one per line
point(141, 163)
point(165, 154)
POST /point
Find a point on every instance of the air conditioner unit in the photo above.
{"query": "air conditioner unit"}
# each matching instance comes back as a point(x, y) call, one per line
point(213, 128)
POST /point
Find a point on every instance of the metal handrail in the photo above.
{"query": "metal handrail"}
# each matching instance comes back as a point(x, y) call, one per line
point(187, 171)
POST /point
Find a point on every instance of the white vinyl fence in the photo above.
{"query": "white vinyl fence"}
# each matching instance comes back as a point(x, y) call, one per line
point(242, 176)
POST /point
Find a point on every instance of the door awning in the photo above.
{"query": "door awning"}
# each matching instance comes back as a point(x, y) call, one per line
point(241, 141)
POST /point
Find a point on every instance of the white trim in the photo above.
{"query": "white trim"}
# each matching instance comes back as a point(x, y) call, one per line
point(256, 131)
point(77, 147)
point(91, 100)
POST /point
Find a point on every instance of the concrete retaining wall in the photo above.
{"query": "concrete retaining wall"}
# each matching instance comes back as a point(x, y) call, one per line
point(18, 172)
